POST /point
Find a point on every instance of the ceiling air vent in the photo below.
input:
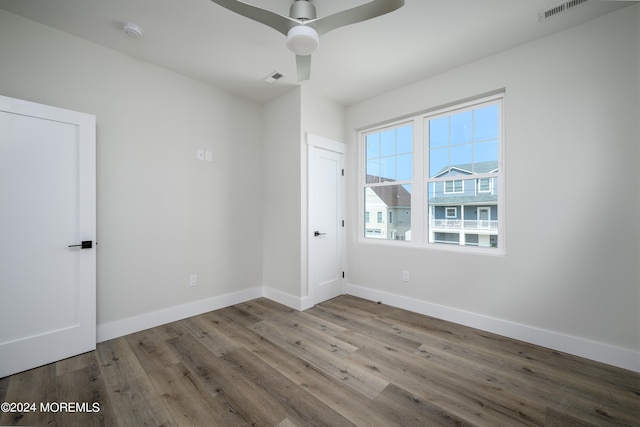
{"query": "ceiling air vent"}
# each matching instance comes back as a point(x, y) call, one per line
point(559, 8)
point(273, 77)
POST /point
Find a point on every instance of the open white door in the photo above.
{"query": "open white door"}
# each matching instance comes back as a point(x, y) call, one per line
point(48, 205)
point(326, 227)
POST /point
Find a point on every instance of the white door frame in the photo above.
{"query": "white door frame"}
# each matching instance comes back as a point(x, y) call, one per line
point(319, 142)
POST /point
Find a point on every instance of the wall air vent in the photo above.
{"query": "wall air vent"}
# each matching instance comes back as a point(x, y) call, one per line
point(559, 8)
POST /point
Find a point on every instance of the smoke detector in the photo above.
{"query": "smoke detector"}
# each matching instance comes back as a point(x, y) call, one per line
point(132, 30)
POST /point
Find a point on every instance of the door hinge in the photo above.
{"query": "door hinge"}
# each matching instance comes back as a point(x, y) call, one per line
point(343, 222)
point(342, 172)
point(343, 274)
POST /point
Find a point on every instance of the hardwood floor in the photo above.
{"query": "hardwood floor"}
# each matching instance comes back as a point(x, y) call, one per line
point(344, 362)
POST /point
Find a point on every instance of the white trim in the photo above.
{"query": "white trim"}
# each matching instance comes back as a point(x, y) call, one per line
point(289, 300)
point(326, 143)
point(118, 328)
point(600, 352)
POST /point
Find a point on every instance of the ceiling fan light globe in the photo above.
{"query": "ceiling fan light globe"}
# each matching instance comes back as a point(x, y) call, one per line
point(302, 40)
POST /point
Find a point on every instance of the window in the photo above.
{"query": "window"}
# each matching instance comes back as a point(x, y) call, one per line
point(444, 170)
point(387, 181)
point(485, 185)
point(464, 142)
point(453, 186)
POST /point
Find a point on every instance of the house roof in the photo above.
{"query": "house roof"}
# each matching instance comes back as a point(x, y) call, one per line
point(391, 195)
point(469, 168)
point(480, 199)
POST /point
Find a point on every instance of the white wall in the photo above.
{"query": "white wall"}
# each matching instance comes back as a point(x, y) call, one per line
point(570, 276)
point(281, 196)
point(287, 121)
point(162, 214)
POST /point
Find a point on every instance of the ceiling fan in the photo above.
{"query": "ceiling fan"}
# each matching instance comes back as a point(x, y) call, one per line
point(303, 29)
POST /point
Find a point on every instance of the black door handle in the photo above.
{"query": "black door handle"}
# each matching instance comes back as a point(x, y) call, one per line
point(86, 244)
point(317, 233)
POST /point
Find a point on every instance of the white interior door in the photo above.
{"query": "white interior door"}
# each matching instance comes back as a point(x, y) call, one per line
point(47, 203)
point(326, 229)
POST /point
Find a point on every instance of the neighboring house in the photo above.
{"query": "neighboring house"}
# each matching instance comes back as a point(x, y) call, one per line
point(388, 213)
point(464, 210)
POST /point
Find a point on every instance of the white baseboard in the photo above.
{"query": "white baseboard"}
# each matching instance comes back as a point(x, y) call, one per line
point(289, 300)
point(615, 356)
point(118, 328)
point(623, 358)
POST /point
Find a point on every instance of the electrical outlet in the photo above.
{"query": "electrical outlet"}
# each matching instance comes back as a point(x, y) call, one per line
point(208, 156)
point(200, 154)
point(405, 276)
point(193, 280)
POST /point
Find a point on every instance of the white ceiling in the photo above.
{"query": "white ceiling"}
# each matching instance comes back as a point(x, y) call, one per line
point(200, 39)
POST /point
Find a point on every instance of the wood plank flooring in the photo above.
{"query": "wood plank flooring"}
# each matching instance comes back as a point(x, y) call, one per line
point(344, 362)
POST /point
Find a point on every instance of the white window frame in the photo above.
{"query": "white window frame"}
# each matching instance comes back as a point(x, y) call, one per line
point(420, 183)
point(446, 212)
point(479, 185)
point(453, 186)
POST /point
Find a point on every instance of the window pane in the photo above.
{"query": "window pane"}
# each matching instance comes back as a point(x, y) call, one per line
point(486, 122)
point(389, 202)
point(438, 161)
point(461, 127)
point(373, 170)
point(373, 146)
point(476, 213)
point(439, 132)
point(405, 139)
point(388, 169)
point(486, 151)
point(388, 142)
point(405, 167)
point(462, 156)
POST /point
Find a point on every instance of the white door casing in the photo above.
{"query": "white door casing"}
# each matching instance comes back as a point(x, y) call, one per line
point(48, 202)
point(326, 227)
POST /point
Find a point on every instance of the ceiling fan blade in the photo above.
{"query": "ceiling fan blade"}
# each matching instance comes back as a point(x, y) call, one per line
point(303, 64)
point(357, 14)
point(278, 22)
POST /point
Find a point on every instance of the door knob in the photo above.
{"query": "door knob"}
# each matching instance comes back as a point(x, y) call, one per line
point(317, 233)
point(86, 244)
